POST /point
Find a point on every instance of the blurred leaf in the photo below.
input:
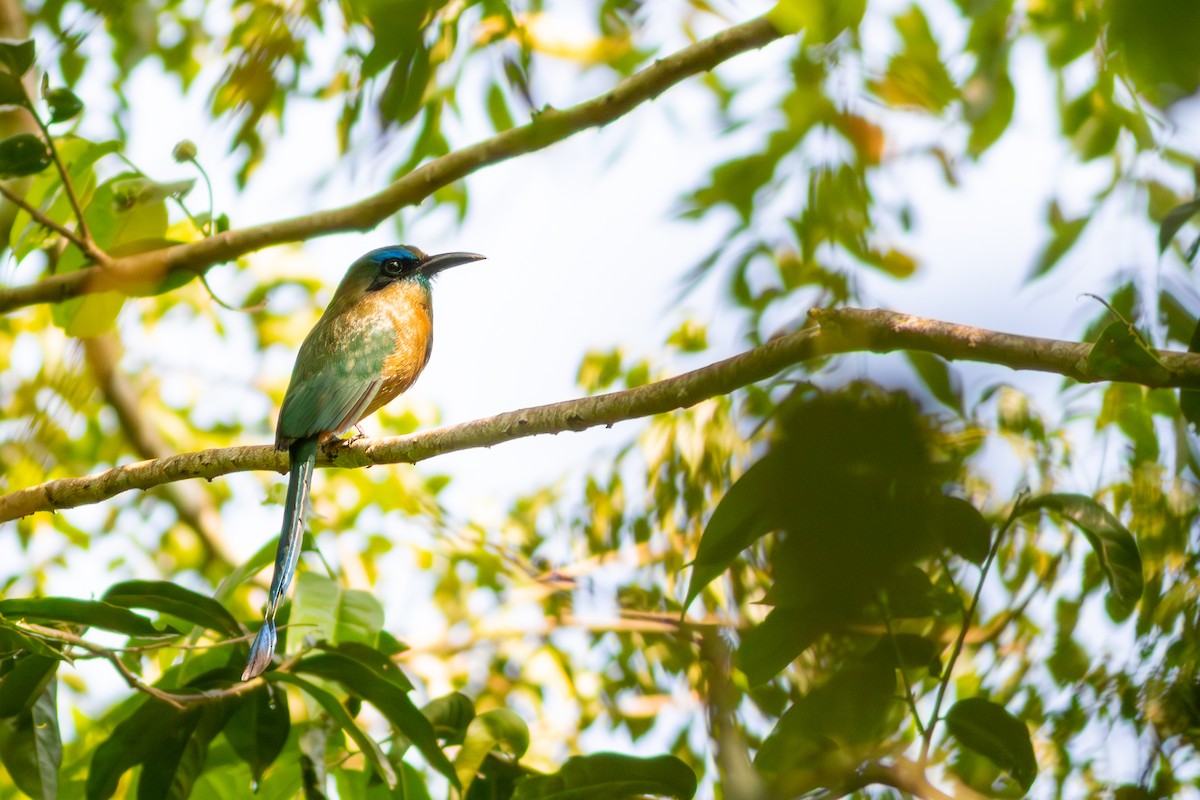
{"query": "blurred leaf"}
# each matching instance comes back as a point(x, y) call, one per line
point(820, 20)
point(92, 613)
point(31, 746)
point(64, 105)
point(500, 730)
point(259, 728)
point(450, 715)
point(1063, 235)
point(1189, 399)
point(1121, 348)
point(339, 715)
point(22, 154)
point(1155, 39)
point(988, 729)
point(935, 373)
point(24, 683)
point(12, 92)
point(17, 56)
point(1175, 219)
point(988, 105)
point(170, 598)
point(770, 646)
point(1113, 544)
point(828, 724)
point(963, 528)
point(747, 511)
point(610, 775)
point(916, 76)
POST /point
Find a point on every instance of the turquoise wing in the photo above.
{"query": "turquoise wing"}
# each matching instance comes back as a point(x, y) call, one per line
point(337, 375)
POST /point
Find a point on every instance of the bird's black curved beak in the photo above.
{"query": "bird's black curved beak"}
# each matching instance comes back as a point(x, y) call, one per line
point(432, 265)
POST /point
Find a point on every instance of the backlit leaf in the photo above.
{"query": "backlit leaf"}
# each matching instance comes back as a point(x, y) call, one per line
point(1113, 544)
point(610, 775)
point(988, 729)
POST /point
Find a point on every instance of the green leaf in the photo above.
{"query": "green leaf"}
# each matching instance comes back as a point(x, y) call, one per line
point(17, 57)
point(935, 373)
point(853, 708)
point(23, 154)
point(45, 192)
point(14, 641)
point(497, 108)
point(1112, 543)
point(180, 752)
point(610, 775)
point(1063, 235)
point(323, 610)
point(450, 715)
point(130, 744)
point(112, 223)
point(367, 674)
point(338, 714)
point(989, 109)
point(31, 746)
point(747, 511)
point(962, 528)
point(12, 92)
point(820, 20)
point(769, 647)
point(171, 598)
point(93, 613)
point(1120, 350)
point(64, 105)
point(916, 76)
point(1173, 221)
point(259, 728)
point(24, 683)
point(989, 730)
point(501, 730)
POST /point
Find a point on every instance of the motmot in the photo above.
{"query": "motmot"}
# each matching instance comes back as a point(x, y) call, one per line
point(367, 348)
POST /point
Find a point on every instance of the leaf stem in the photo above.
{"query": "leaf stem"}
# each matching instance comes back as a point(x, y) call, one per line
point(88, 245)
point(908, 690)
point(968, 613)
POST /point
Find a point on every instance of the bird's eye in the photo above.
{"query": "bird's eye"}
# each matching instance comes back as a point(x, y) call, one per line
point(392, 266)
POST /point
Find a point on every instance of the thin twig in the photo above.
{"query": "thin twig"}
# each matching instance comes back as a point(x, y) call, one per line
point(909, 695)
point(111, 656)
point(40, 218)
point(88, 245)
point(958, 642)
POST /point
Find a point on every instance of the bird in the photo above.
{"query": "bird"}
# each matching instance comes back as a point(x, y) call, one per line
point(368, 347)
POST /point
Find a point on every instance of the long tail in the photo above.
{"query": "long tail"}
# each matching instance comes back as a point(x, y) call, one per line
point(302, 456)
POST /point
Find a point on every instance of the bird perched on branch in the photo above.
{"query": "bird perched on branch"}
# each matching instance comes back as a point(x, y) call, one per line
point(368, 347)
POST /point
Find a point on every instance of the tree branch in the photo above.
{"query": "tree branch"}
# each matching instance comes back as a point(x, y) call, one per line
point(548, 126)
point(839, 331)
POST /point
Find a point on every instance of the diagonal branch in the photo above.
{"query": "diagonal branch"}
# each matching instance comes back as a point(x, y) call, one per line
point(837, 331)
point(548, 126)
point(194, 506)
